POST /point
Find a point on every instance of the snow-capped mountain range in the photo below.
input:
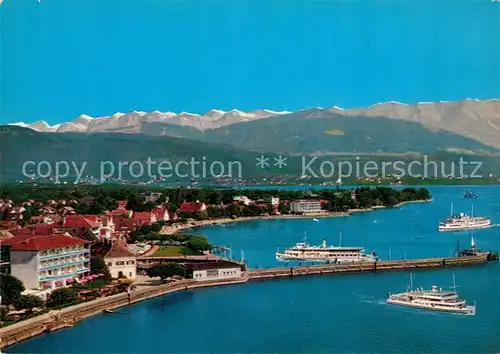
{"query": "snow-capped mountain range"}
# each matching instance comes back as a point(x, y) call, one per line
point(131, 122)
point(473, 118)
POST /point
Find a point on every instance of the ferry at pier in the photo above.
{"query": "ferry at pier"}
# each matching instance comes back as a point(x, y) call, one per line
point(435, 299)
point(463, 222)
point(303, 252)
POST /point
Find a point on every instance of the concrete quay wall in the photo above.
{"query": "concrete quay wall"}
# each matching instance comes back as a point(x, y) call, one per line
point(68, 316)
point(367, 267)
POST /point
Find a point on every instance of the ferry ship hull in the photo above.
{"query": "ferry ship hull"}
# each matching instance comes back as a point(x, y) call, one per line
point(285, 258)
point(465, 227)
point(468, 310)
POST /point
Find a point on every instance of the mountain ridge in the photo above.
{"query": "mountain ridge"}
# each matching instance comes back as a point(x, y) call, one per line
point(472, 118)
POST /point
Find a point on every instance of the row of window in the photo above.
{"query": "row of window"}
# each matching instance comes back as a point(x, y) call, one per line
point(62, 271)
point(215, 273)
point(121, 263)
point(62, 261)
point(61, 250)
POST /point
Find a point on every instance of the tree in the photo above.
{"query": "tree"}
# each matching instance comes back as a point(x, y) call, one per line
point(167, 270)
point(198, 244)
point(28, 302)
point(98, 266)
point(10, 289)
point(61, 297)
point(4, 313)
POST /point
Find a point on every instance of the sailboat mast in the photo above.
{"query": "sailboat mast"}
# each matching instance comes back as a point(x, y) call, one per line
point(340, 241)
point(451, 211)
point(454, 286)
point(411, 281)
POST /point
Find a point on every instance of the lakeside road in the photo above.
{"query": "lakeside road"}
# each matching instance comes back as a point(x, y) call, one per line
point(168, 230)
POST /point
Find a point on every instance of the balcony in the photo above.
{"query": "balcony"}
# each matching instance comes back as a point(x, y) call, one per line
point(64, 254)
point(65, 264)
point(65, 275)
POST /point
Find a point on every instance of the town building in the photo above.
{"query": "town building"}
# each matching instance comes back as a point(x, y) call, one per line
point(11, 226)
point(17, 213)
point(46, 262)
point(83, 223)
point(243, 199)
point(41, 219)
point(272, 200)
point(144, 218)
point(120, 261)
point(161, 214)
point(119, 212)
point(192, 207)
point(151, 197)
point(305, 206)
point(215, 270)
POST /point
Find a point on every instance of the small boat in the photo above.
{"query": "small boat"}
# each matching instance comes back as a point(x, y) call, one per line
point(469, 194)
point(108, 311)
point(434, 299)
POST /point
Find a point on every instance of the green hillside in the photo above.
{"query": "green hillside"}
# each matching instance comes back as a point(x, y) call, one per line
point(19, 145)
point(323, 132)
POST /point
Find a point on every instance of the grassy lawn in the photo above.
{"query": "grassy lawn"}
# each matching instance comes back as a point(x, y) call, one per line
point(168, 251)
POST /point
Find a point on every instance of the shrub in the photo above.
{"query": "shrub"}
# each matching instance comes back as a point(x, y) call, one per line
point(61, 297)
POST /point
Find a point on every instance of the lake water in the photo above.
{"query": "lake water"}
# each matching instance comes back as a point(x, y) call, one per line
point(319, 314)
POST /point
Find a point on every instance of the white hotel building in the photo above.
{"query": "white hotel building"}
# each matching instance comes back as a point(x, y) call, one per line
point(47, 262)
point(306, 206)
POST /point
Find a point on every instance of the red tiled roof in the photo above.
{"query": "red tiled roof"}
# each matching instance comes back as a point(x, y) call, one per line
point(160, 212)
point(119, 212)
point(145, 216)
point(118, 250)
point(262, 206)
point(42, 242)
point(80, 221)
point(190, 207)
point(38, 229)
point(9, 225)
point(129, 224)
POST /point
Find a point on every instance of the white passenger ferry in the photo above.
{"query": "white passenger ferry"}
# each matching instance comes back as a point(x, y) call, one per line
point(303, 252)
point(463, 222)
point(434, 299)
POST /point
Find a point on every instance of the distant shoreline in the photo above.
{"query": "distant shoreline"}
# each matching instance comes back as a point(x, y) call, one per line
point(168, 230)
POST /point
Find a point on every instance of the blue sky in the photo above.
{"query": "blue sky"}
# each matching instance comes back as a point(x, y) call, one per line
point(62, 58)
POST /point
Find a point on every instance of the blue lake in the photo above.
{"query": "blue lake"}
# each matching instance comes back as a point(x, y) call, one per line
point(322, 314)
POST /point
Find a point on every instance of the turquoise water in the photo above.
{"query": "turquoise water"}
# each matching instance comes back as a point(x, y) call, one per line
point(322, 314)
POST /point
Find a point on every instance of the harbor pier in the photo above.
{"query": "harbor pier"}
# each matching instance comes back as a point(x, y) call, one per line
point(423, 263)
point(66, 317)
